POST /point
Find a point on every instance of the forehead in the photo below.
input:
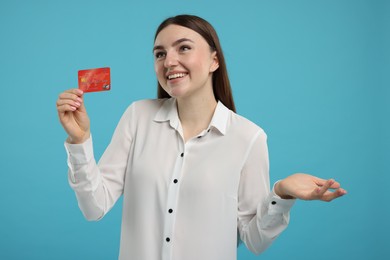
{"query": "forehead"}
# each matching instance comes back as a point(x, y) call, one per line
point(173, 32)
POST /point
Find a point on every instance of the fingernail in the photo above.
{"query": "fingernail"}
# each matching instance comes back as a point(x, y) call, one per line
point(79, 100)
point(77, 104)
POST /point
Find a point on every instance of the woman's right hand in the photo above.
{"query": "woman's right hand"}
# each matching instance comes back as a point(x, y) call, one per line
point(73, 116)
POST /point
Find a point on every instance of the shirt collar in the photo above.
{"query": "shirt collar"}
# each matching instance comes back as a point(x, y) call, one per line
point(220, 118)
point(168, 112)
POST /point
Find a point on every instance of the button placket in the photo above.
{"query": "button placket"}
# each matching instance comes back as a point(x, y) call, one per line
point(170, 215)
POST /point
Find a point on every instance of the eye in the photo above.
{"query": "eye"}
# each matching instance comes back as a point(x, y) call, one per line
point(159, 54)
point(184, 48)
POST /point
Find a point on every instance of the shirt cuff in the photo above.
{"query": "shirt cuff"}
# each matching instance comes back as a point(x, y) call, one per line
point(79, 153)
point(277, 205)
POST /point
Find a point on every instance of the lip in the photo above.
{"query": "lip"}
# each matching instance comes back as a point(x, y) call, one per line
point(175, 72)
point(173, 82)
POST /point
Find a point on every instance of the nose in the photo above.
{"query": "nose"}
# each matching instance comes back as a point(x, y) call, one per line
point(171, 59)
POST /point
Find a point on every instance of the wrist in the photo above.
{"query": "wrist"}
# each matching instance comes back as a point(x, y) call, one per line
point(278, 189)
point(78, 140)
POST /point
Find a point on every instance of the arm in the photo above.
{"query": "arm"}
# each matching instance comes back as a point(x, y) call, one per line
point(97, 187)
point(262, 215)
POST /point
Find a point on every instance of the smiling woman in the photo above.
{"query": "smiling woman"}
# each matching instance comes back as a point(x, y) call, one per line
point(184, 63)
point(221, 82)
point(193, 173)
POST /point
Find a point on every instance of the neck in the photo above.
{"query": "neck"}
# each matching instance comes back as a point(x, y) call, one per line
point(195, 114)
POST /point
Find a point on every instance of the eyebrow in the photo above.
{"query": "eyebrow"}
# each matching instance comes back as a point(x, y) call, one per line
point(160, 47)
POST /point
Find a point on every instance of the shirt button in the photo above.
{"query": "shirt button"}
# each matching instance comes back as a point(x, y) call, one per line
point(175, 181)
point(170, 210)
point(182, 154)
point(273, 202)
point(167, 239)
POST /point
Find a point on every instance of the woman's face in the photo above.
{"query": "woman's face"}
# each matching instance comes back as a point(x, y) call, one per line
point(184, 63)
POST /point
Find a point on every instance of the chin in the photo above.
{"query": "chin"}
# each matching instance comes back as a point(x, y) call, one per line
point(177, 92)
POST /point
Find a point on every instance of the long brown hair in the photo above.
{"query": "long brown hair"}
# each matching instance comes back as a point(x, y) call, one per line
point(221, 84)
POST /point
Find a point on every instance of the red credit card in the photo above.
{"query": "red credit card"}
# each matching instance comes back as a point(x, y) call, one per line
point(93, 80)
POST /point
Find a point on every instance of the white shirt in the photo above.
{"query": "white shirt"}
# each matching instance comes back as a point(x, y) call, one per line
point(182, 201)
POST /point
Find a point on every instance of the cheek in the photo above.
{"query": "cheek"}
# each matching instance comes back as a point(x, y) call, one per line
point(159, 70)
point(194, 65)
point(156, 68)
point(200, 63)
point(160, 74)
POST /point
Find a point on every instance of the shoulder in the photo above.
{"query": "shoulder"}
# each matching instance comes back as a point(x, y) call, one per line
point(141, 110)
point(147, 105)
point(144, 107)
point(244, 128)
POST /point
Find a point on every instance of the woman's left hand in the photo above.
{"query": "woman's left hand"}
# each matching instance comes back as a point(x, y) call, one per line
point(308, 187)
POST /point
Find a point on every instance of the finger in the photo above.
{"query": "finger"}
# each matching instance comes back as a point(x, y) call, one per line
point(81, 108)
point(320, 182)
point(75, 103)
point(75, 91)
point(66, 108)
point(327, 185)
point(329, 196)
point(71, 96)
point(335, 185)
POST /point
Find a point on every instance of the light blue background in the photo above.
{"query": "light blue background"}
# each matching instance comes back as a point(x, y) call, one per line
point(314, 74)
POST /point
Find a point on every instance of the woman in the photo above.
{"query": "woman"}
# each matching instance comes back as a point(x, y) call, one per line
point(193, 173)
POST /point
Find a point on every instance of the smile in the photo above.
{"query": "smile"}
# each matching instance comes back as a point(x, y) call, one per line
point(176, 75)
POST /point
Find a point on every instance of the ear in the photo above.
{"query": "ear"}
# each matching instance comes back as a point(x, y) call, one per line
point(215, 63)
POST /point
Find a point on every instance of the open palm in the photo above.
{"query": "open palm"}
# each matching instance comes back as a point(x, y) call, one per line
point(307, 187)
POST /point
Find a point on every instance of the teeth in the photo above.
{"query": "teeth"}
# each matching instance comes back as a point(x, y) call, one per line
point(177, 75)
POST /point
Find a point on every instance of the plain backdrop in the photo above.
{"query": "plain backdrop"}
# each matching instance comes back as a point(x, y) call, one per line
point(313, 74)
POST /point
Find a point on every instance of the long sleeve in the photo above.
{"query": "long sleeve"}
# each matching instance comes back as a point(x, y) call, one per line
point(262, 215)
point(175, 192)
point(98, 186)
